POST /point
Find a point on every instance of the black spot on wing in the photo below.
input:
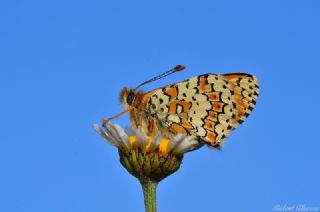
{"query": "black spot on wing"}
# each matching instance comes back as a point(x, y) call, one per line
point(237, 73)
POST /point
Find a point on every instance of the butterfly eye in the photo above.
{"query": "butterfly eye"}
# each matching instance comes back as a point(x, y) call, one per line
point(130, 98)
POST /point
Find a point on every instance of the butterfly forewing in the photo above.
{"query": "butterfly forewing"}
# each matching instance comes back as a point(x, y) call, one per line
point(208, 106)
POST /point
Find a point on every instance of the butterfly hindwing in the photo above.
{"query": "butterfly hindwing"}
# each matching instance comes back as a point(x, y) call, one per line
point(208, 106)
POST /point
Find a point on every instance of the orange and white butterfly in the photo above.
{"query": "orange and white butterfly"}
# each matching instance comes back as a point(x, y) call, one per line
point(207, 106)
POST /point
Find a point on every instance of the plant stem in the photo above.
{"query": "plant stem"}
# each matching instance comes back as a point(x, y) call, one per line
point(149, 192)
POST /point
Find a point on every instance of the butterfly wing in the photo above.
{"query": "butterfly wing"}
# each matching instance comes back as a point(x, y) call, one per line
point(208, 106)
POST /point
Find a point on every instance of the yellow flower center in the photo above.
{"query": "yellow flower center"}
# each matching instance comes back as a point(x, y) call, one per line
point(162, 148)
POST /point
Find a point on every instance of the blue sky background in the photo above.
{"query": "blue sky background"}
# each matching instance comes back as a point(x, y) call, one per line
point(63, 63)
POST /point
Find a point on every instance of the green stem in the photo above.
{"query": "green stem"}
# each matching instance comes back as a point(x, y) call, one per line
point(149, 192)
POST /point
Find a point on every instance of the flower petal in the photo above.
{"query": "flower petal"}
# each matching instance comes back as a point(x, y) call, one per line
point(105, 135)
point(142, 138)
point(123, 135)
point(174, 141)
point(129, 131)
point(119, 134)
point(155, 142)
point(186, 144)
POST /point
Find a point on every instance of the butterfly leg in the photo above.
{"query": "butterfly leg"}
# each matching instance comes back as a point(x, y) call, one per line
point(152, 128)
point(106, 121)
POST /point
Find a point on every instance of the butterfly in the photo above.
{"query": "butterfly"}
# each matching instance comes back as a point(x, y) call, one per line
point(207, 107)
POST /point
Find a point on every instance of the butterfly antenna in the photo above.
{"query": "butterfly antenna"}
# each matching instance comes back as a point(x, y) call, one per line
point(167, 73)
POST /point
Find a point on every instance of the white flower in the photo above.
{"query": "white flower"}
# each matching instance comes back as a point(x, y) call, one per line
point(117, 137)
point(145, 157)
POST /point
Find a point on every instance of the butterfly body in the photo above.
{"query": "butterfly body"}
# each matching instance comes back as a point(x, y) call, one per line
point(207, 106)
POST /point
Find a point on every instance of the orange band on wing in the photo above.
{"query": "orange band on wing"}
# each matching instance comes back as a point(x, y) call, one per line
point(217, 106)
point(173, 107)
point(172, 92)
point(211, 137)
point(178, 128)
point(204, 86)
point(185, 106)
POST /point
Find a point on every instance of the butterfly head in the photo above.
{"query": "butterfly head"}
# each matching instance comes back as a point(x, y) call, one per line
point(131, 98)
point(128, 97)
